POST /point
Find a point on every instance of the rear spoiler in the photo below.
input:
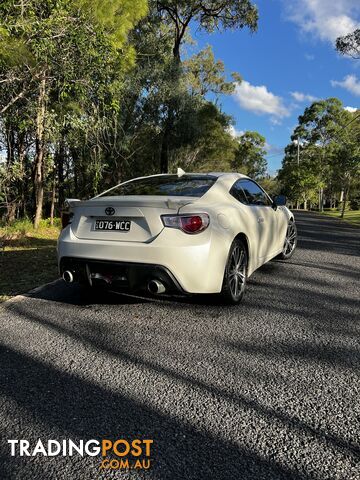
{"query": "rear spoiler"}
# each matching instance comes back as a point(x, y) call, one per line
point(70, 202)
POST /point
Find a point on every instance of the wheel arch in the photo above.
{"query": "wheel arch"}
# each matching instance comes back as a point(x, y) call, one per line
point(245, 239)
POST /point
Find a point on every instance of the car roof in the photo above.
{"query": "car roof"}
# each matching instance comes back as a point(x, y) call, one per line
point(198, 174)
point(224, 177)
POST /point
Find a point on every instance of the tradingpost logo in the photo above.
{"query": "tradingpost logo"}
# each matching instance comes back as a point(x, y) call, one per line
point(116, 454)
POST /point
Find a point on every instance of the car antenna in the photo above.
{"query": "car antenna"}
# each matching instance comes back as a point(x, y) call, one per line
point(180, 172)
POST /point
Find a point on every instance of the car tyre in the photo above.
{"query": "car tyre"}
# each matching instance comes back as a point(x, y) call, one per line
point(290, 241)
point(235, 276)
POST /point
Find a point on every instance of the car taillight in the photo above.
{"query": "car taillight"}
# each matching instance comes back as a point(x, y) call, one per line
point(66, 218)
point(193, 223)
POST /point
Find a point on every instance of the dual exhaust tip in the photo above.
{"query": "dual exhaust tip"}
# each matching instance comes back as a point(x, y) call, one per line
point(154, 286)
point(67, 276)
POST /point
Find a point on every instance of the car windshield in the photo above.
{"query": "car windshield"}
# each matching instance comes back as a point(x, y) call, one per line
point(169, 185)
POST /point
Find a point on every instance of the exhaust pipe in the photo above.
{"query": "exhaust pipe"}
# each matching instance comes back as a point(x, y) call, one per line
point(155, 286)
point(68, 276)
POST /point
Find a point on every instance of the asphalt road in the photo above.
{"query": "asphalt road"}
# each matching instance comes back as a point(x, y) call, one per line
point(266, 390)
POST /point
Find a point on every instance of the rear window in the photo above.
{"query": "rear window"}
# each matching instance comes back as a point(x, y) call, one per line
point(169, 185)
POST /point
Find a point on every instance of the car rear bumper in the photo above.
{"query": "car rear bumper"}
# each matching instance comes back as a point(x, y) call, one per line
point(187, 263)
point(122, 275)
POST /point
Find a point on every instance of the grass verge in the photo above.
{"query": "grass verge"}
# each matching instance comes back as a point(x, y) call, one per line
point(27, 257)
point(350, 216)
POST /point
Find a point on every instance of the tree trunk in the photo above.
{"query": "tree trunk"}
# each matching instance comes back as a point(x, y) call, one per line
point(11, 212)
point(53, 197)
point(21, 155)
point(172, 109)
point(164, 154)
point(345, 197)
point(59, 160)
point(10, 159)
point(78, 174)
point(321, 199)
point(39, 153)
point(10, 144)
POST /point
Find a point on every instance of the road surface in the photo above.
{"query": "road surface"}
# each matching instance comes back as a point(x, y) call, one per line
point(265, 390)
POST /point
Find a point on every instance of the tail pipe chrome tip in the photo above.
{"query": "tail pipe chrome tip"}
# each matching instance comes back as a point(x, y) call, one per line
point(155, 286)
point(68, 276)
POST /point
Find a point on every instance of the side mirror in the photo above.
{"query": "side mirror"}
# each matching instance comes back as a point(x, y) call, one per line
point(279, 200)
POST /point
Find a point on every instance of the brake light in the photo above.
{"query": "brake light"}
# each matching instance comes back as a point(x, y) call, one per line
point(193, 223)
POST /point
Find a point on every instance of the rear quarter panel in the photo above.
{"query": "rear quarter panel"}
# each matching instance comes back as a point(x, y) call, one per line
point(227, 221)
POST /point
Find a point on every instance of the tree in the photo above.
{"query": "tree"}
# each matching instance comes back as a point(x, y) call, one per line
point(91, 96)
point(58, 44)
point(205, 75)
point(328, 137)
point(317, 127)
point(300, 181)
point(349, 44)
point(250, 155)
point(209, 15)
point(345, 161)
point(270, 184)
point(213, 147)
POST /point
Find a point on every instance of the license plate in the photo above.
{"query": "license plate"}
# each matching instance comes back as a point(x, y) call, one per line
point(113, 225)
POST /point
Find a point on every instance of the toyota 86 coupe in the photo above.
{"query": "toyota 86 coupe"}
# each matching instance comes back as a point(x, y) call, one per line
point(175, 233)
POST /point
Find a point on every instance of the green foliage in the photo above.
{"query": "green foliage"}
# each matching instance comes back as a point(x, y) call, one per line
point(329, 139)
point(250, 155)
point(94, 92)
point(206, 75)
point(271, 185)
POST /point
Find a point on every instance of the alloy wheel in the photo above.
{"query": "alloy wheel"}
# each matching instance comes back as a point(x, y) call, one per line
point(237, 271)
point(290, 239)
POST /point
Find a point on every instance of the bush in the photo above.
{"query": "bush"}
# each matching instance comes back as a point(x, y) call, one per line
point(24, 229)
point(45, 223)
point(18, 227)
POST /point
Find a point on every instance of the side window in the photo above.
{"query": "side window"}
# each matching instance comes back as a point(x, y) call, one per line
point(253, 193)
point(238, 193)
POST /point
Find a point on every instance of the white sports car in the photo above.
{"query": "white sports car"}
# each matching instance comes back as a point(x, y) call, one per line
point(184, 233)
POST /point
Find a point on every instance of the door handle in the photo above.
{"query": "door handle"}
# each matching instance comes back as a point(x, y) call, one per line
point(260, 219)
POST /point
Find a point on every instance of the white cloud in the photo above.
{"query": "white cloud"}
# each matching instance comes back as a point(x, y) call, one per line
point(259, 100)
point(351, 109)
point(324, 19)
point(303, 97)
point(350, 83)
point(309, 57)
point(235, 133)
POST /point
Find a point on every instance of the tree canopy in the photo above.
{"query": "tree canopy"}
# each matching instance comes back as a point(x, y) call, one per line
point(94, 92)
point(349, 44)
point(323, 156)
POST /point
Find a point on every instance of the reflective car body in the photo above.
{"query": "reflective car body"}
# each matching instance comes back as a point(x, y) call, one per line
point(157, 246)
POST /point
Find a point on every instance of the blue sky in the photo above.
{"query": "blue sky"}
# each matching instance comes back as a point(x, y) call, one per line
point(287, 64)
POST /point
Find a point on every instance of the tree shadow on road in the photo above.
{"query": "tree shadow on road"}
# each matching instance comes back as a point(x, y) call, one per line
point(100, 339)
point(72, 407)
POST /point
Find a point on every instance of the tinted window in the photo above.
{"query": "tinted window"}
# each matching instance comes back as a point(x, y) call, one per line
point(249, 193)
point(169, 185)
point(238, 193)
point(254, 194)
